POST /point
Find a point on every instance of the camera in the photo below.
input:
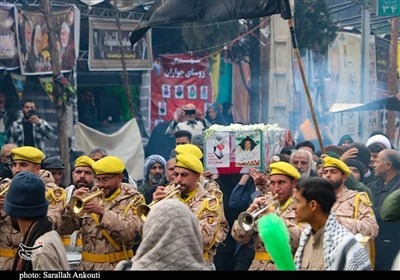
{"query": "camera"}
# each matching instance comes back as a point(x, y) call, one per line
point(32, 112)
point(190, 112)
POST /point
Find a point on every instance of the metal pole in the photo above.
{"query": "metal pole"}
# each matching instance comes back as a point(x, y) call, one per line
point(365, 31)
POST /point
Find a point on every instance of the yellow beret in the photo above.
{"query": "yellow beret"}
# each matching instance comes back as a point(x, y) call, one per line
point(108, 165)
point(190, 162)
point(83, 161)
point(284, 168)
point(337, 163)
point(189, 149)
point(27, 153)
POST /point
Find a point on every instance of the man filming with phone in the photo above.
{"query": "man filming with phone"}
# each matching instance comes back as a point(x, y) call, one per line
point(188, 118)
point(30, 130)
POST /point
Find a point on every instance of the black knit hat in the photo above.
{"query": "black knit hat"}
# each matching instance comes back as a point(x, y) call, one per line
point(357, 164)
point(26, 197)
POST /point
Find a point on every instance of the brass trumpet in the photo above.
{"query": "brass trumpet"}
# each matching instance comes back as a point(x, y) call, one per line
point(77, 203)
point(247, 220)
point(4, 187)
point(143, 209)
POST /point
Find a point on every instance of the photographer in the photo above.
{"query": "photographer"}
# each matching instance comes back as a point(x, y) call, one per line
point(30, 130)
point(190, 119)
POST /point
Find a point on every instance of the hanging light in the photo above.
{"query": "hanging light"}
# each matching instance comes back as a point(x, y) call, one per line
point(91, 2)
point(127, 5)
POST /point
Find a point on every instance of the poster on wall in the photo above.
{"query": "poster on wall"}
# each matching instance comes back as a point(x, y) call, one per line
point(8, 37)
point(33, 39)
point(177, 80)
point(105, 50)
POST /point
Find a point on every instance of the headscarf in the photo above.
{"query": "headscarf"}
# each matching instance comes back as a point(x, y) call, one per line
point(150, 161)
point(171, 240)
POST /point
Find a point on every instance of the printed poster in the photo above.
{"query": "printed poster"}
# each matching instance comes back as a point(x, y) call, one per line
point(218, 149)
point(177, 80)
point(33, 39)
point(248, 148)
point(105, 47)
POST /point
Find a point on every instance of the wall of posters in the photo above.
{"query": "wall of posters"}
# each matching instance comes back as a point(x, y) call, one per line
point(33, 39)
point(105, 50)
point(8, 37)
point(177, 80)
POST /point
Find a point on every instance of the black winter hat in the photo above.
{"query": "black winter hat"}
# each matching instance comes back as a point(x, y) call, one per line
point(53, 163)
point(357, 164)
point(26, 197)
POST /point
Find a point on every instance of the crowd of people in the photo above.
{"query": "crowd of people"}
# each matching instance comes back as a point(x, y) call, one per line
point(340, 209)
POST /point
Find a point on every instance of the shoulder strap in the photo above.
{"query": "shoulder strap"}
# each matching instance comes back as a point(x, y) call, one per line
point(363, 197)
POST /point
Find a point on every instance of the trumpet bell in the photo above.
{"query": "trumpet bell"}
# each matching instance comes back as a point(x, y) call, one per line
point(142, 211)
point(77, 203)
point(246, 221)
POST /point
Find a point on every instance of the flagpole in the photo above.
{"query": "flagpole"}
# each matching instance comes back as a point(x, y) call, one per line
point(303, 78)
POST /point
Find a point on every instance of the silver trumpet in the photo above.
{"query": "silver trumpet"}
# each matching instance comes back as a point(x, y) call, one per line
point(247, 220)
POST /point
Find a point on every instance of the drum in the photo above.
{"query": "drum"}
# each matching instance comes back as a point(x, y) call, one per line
point(74, 259)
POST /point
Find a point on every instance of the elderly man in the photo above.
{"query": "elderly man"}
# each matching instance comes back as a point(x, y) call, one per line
point(190, 119)
point(283, 179)
point(387, 168)
point(204, 205)
point(27, 159)
point(56, 167)
point(108, 224)
point(154, 176)
point(303, 161)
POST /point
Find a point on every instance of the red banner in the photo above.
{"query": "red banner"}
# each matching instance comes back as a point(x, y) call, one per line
point(177, 80)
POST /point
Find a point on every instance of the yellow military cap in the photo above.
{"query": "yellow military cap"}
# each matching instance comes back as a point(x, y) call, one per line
point(337, 163)
point(189, 149)
point(189, 161)
point(284, 168)
point(108, 165)
point(27, 153)
point(83, 161)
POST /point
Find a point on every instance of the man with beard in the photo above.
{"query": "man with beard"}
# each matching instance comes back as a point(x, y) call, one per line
point(27, 159)
point(302, 160)
point(108, 221)
point(353, 209)
point(154, 175)
point(82, 177)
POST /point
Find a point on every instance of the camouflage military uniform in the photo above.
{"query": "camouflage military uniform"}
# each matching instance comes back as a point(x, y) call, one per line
point(206, 208)
point(344, 208)
point(213, 188)
point(103, 244)
point(262, 260)
point(10, 238)
point(55, 195)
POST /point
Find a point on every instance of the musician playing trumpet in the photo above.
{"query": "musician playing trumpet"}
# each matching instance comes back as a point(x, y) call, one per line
point(283, 178)
point(109, 226)
point(204, 205)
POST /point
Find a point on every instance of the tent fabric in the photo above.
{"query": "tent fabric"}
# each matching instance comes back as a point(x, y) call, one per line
point(125, 143)
point(391, 103)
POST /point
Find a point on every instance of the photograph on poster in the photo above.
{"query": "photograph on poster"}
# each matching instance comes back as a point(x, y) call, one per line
point(179, 92)
point(192, 93)
point(204, 92)
point(162, 108)
point(248, 148)
point(166, 91)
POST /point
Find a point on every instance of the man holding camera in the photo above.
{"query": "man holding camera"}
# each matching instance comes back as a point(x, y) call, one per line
point(190, 119)
point(30, 130)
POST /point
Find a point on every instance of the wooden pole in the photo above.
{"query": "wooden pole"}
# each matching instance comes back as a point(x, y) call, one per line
point(303, 78)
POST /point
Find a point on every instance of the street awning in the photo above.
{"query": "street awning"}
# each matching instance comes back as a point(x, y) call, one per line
point(391, 103)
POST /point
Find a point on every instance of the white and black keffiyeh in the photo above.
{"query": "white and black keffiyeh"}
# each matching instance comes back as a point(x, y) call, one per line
point(341, 250)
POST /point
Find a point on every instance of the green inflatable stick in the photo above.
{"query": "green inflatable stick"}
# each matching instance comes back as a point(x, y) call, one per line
point(275, 236)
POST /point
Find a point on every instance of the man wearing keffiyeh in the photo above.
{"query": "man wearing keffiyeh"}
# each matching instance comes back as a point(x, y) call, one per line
point(154, 175)
point(324, 244)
